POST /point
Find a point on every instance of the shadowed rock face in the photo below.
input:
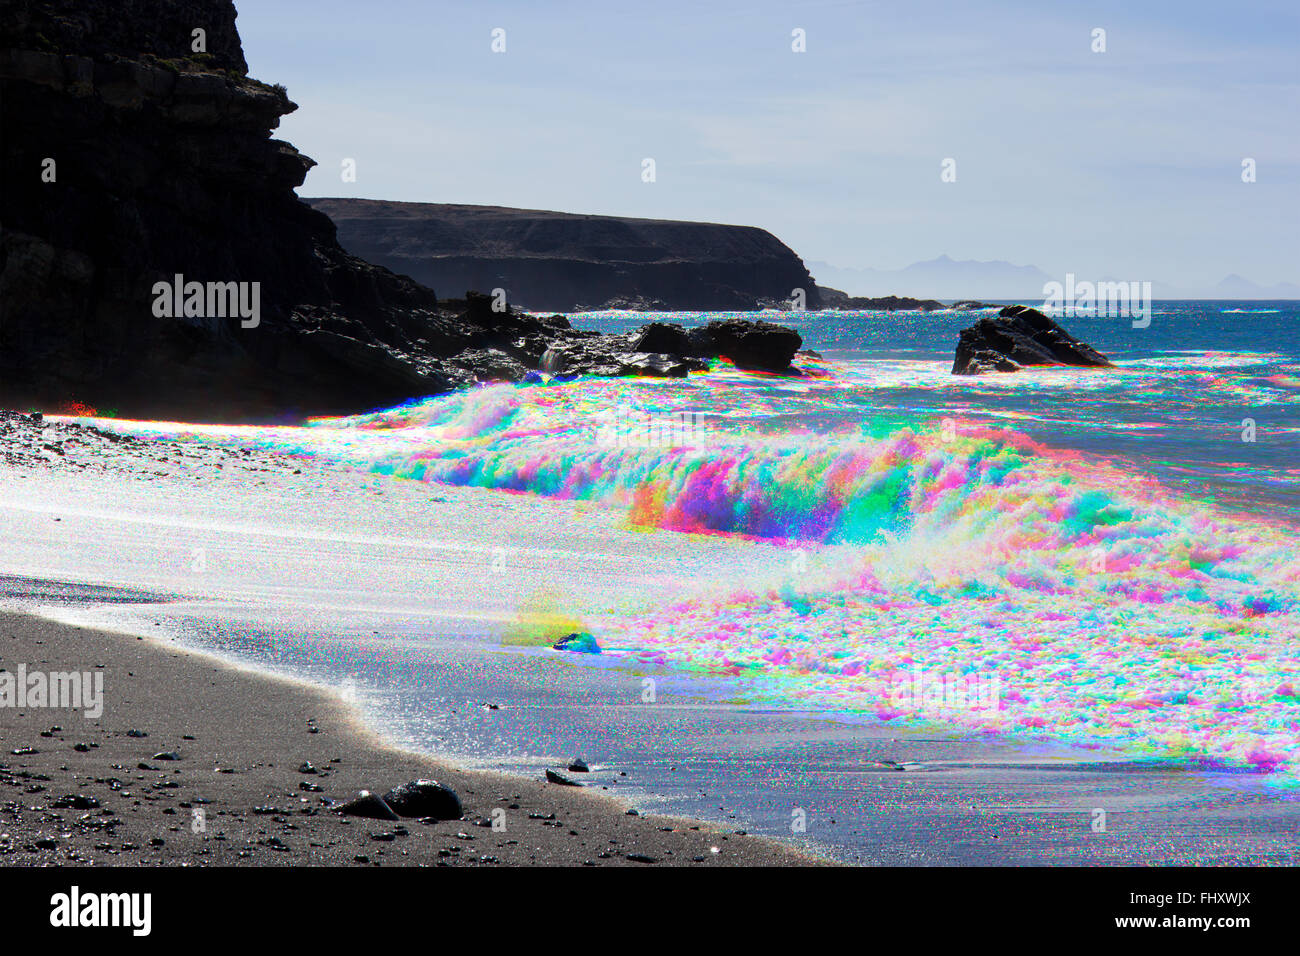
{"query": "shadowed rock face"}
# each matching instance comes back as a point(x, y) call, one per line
point(162, 166)
point(670, 351)
point(1016, 337)
point(761, 346)
point(567, 262)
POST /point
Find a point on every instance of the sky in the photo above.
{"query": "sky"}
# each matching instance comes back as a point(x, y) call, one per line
point(1126, 163)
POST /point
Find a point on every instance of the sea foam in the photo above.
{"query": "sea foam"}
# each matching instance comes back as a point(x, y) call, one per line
point(942, 571)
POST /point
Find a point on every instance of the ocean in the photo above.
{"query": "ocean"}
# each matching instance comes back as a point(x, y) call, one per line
point(1189, 381)
point(1094, 568)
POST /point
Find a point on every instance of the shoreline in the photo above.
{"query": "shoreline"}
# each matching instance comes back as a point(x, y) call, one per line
point(92, 793)
point(325, 575)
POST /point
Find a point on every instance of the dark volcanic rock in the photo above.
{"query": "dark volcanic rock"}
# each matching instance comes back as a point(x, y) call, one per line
point(367, 805)
point(835, 299)
point(749, 344)
point(662, 337)
point(164, 166)
point(1016, 337)
point(622, 303)
point(425, 798)
point(569, 262)
point(612, 356)
point(753, 345)
point(668, 350)
point(75, 801)
point(981, 361)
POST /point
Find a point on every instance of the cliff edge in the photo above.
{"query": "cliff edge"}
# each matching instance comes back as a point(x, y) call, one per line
point(156, 262)
point(567, 262)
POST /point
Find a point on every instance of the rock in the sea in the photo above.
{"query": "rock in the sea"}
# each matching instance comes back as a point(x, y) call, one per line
point(662, 337)
point(425, 798)
point(753, 345)
point(835, 299)
point(750, 344)
point(1019, 336)
point(367, 805)
point(580, 643)
point(578, 765)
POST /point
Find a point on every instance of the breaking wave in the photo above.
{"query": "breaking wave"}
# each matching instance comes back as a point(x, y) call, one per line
point(925, 560)
point(938, 571)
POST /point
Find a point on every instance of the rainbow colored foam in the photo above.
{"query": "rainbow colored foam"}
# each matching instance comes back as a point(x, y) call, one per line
point(1105, 610)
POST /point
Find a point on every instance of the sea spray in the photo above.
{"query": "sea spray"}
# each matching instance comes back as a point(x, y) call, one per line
point(1105, 610)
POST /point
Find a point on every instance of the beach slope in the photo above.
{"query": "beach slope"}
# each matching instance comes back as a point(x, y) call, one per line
point(93, 791)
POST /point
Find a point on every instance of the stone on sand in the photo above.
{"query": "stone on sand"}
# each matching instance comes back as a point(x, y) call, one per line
point(425, 798)
point(369, 806)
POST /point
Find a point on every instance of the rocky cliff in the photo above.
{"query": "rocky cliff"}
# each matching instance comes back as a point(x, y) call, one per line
point(130, 158)
point(155, 260)
point(566, 262)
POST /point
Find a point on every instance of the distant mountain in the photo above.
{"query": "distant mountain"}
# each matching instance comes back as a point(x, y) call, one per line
point(1235, 287)
point(941, 278)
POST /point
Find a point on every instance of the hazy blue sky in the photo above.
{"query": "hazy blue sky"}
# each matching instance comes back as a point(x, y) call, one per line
point(1125, 163)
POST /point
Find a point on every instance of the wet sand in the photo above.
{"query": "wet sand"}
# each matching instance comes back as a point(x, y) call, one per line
point(82, 791)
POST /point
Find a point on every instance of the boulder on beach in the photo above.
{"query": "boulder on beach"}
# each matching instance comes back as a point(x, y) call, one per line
point(1019, 336)
point(425, 798)
point(367, 805)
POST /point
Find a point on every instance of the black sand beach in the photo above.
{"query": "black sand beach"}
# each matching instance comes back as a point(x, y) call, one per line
point(81, 791)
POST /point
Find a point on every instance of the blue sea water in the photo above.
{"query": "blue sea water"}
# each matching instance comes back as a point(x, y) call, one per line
point(1206, 399)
